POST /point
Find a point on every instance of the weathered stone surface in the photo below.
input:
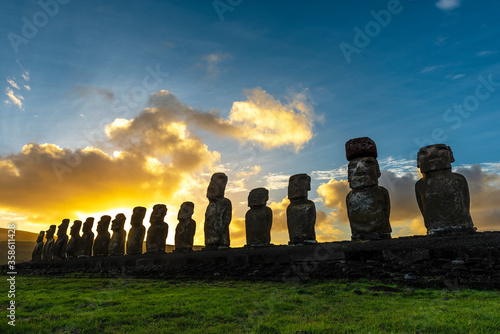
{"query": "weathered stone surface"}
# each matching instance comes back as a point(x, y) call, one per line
point(84, 248)
point(218, 214)
point(442, 196)
point(158, 231)
point(301, 213)
point(117, 242)
point(37, 252)
point(368, 204)
point(185, 230)
point(101, 242)
point(48, 248)
point(259, 219)
point(62, 240)
point(75, 238)
point(137, 231)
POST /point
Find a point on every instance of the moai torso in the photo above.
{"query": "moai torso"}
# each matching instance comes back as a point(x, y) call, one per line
point(137, 231)
point(218, 214)
point(84, 248)
point(48, 248)
point(301, 212)
point(62, 240)
point(442, 196)
point(117, 242)
point(158, 231)
point(37, 252)
point(185, 230)
point(368, 204)
point(75, 239)
point(101, 242)
point(259, 219)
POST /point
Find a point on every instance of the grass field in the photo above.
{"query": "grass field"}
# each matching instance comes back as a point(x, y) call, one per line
point(97, 305)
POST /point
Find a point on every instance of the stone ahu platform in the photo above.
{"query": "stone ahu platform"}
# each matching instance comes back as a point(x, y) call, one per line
point(456, 261)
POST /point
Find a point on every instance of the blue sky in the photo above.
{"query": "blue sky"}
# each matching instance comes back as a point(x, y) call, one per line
point(92, 62)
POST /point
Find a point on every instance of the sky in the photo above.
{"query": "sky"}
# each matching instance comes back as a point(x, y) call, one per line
point(108, 105)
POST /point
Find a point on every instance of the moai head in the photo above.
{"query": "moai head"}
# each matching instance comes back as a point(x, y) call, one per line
point(363, 169)
point(50, 232)
point(118, 223)
point(63, 228)
point(87, 226)
point(258, 197)
point(138, 215)
point(75, 228)
point(40, 236)
point(217, 186)
point(186, 210)
point(298, 186)
point(103, 224)
point(434, 157)
point(158, 214)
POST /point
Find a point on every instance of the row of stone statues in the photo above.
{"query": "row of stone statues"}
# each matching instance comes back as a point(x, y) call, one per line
point(442, 196)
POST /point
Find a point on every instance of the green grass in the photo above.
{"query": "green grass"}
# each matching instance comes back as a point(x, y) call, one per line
point(98, 305)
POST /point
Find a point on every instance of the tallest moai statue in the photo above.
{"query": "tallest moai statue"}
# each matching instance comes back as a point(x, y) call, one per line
point(368, 204)
point(442, 196)
point(218, 215)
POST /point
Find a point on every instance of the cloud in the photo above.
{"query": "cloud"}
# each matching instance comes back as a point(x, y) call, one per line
point(428, 69)
point(13, 98)
point(270, 123)
point(276, 181)
point(12, 83)
point(210, 64)
point(486, 53)
point(26, 75)
point(88, 91)
point(447, 5)
point(242, 177)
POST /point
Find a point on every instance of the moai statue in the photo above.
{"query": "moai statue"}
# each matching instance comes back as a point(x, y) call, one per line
point(137, 231)
point(101, 242)
point(301, 213)
point(75, 238)
point(185, 230)
point(259, 219)
point(158, 231)
point(84, 248)
point(37, 252)
point(442, 196)
point(117, 242)
point(218, 214)
point(48, 248)
point(368, 204)
point(62, 240)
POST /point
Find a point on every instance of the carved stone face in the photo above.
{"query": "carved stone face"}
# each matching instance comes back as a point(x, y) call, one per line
point(217, 186)
point(40, 236)
point(299, 185)
point(103, 224)
point(118, 222)
point(87, 226)
point(434, 157)
point(258, 196)
point(186, 210)
point(75, 228)
point(138, 216)
point(158, 214)
point(51, 231)
point(63, 227)
point(363, 172)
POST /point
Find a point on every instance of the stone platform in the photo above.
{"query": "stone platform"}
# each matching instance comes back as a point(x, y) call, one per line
point(456, 261)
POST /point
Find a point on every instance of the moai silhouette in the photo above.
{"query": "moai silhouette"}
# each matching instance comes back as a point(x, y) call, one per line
point(218, 214)
point(158, 231)
point(117, 242)
point(137, 231)
point(301, 212)
point(48, 248)
point(37, 252)
point(62, 240)
point(185, 230)
point(84, 248)
point(368, 204)
point(442, 196)
point(75, 239)
point(259, 219)
point(101, 242)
